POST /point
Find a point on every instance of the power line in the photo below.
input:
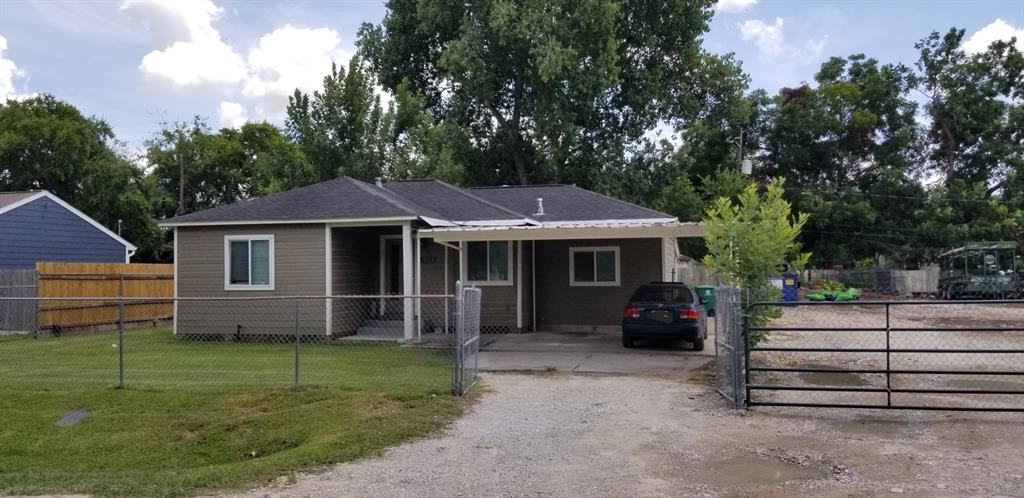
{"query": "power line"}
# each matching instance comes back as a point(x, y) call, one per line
point(890, 196)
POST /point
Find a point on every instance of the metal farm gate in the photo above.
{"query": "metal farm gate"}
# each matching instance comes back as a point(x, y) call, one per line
point(907, 355)
point(467, 337)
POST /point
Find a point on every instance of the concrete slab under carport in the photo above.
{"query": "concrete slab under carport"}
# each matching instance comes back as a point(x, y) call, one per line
point(588, 352)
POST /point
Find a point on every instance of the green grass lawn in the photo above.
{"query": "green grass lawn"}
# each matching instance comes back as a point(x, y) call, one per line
point(197, 416)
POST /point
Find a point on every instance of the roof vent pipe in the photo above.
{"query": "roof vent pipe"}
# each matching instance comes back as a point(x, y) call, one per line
point(540, 207)
point(377, 181)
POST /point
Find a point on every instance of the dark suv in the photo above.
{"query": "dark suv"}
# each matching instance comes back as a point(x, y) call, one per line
point(665, 310)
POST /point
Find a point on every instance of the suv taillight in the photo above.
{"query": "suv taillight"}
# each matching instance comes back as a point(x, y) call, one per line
point(689, 314)
point(631, 313)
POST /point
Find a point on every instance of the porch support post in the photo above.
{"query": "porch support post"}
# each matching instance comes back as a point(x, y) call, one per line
point(419, 286)
point(408, 317)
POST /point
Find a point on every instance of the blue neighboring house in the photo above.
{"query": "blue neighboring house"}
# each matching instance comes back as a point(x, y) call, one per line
point(39, 226)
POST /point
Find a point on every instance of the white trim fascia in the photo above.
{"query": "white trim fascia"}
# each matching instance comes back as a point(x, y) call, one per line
point(328, 281)
point(594, 249)
point(228, 286)
point(332, 221)
point(489, 283)
point(678, 230)
point(574, 223)
point(492, 223)
point(99, 226)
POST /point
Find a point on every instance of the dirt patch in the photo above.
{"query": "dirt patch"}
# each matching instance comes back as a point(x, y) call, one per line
point(574, 435)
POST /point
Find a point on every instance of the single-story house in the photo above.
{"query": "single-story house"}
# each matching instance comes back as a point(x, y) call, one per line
point(547, 257)
point(39, 226)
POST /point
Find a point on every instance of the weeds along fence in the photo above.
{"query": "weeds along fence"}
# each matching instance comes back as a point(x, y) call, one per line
point(240, 343)
point(883, 281)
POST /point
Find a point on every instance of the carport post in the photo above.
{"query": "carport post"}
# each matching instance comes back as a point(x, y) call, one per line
point(407, 282)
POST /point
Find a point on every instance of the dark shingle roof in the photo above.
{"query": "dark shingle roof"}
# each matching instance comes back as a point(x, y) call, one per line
point(452, 203)
point(340, 198)
point(8, 198)
point(347, 198)
point(565, 203)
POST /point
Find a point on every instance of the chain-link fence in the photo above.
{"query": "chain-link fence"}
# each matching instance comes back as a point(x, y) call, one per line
point(965, 355)
point(235, 343)
point(729, 345)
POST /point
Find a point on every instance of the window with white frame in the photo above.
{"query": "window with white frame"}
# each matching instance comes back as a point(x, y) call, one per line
point(489, 262)
point(249, 262)
point(593, 266)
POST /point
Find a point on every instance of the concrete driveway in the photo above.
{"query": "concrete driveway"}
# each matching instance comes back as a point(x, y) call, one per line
point(587, 352)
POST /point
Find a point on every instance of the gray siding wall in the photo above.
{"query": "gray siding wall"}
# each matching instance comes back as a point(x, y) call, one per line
point(43, 230)
point(299, 269)
point(560, 305)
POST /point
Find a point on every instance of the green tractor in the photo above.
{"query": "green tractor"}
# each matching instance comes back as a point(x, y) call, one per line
point(980, 270)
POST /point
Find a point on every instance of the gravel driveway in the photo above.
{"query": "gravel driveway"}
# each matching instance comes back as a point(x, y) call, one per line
point(581, 435)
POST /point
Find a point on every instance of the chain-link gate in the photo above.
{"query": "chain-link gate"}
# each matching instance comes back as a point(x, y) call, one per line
point(729, 345)
point(467, 337)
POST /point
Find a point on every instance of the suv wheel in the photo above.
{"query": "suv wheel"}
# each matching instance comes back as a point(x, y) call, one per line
point(698, 344)
point(627, 341)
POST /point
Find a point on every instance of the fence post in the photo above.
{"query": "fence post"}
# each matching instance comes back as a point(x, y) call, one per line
point(736, 333)
point(745, 319)
point(298, 342)
point(121, 334)
point(457, 357)
point(888, 367)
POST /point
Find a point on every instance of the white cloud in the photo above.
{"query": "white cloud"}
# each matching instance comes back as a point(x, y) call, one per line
point(195, 53)
point(734, 5)
point(999, 29)
point(9, 72)
point(232, 115)
point(289, 58)
point(768, 37)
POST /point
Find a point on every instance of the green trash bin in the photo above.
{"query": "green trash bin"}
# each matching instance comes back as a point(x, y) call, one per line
point(707, 294)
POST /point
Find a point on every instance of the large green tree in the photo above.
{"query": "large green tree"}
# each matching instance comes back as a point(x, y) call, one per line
point(221, 167)
point(46, 143)
point(547, 90)
point(342, 128)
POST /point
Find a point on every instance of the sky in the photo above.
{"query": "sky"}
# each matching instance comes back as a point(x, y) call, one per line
point(138, 64)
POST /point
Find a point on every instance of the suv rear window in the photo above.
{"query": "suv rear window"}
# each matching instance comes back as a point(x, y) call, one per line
point(663, 294)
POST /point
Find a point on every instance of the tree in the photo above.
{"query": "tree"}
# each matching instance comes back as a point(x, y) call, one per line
point(222, 167)
point(848, 146)
point(46, 143)
point(547, 90)
point(342, 129)
point(975, 106)
point(754, 239)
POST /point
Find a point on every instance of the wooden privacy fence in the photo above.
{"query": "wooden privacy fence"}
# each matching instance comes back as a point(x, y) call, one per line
point(155, 282)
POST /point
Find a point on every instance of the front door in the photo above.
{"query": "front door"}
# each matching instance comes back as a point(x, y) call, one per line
point(392, 273)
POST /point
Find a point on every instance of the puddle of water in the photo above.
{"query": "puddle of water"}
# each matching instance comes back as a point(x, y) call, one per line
point(755, 471)
point(987, 384)
point(830, 378)
point(871, 427)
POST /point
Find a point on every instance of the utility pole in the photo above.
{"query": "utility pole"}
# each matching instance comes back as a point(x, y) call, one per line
point(181, 178)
